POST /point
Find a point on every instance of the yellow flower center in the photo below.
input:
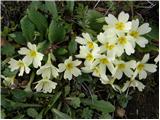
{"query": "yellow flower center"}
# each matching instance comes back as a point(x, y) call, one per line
point(89, 57)
point(140, 67)
point(109, 46)
point(104, 61)
point(90, 45)
point(69, 66)
point(121, 66)
point(134, 34)
point(20, 64)
point(33, 53)
point(119, 25)
point(96, 70)
point(122, 40)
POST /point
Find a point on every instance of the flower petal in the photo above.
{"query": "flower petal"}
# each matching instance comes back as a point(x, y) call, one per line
point(76, 72)
point(141, 41)
point(135, 24)
point(23, 51)
point(145, 58)
point(61, 67)
point(123, 17)
point(142, 75)
point(150, 68)
point(111, 20)
point(67, 75)
point(144, 28)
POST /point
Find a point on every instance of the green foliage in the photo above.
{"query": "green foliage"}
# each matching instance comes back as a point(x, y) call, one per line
point(56, 32)
point(52, 8)
point(8, 50)
point(7, 72)
point(60, 115)
point(87, 113)
point(27, 28)
point(32, 112)
point(18, 38)
point(38, 20)
point(70, 6)
point(92, 17)
point(74, 101)
point(72, 47)
point(60, 51)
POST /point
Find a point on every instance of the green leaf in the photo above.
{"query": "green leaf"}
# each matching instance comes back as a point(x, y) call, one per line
point(53, 100)
point(105, 116)
point(18, 38)
point(60, 51)
point(8, 50)
point(5, 31)
point(3, 115)
point(38, 20)
point(56, 32)
point(67, 90)
point(8, 73)
point(32, 112)
point(70, 6)
point(74, 101)
point(60, 115)
point(84, 77)
point(72, 47)
point(103, 106)
point(52, 8)
point(35, 5)
point(87, 113)
point(92, 16)
point(149, 47)
point(28, 28)
point(154, 34)
point(20, 95)
point(42, 46)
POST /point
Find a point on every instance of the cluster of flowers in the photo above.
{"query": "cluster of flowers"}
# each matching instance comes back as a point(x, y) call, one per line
point(102, 57)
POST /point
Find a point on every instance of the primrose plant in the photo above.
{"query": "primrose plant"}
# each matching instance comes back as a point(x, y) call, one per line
point(101, 56)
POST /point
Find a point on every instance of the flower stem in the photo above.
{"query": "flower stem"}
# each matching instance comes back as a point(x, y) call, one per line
point(28, 87)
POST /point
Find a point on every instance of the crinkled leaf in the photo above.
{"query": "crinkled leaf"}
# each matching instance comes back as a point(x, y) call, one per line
point(28, 28)
point(61, 51)
point(18, 37)
point(8, 73)
point(32, 112)
point(87, 113)
point(20, 95)
point(105, 116)
point(59, 114)
point(74, 101)
point(72, 47)
point(92, 16)
point(38, 20)
point(70, 6)
point(103, 106)
point(56, 32)
point(52, 8)
point(8, 50)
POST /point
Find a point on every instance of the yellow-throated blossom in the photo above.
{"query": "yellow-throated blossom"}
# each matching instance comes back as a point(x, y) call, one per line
point(119, 25)
point(86, 40)
point(124, 67)
point(124, 44)
point(88, 55)
point(45, 85)
point(143, 66)
point(20, 65)
point(48, 70)
point(137, 33)
point(32, 55)
point(70, 68)
point(108, 41)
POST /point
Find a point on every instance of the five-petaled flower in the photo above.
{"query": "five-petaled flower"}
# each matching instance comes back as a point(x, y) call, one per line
point(70, 68)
